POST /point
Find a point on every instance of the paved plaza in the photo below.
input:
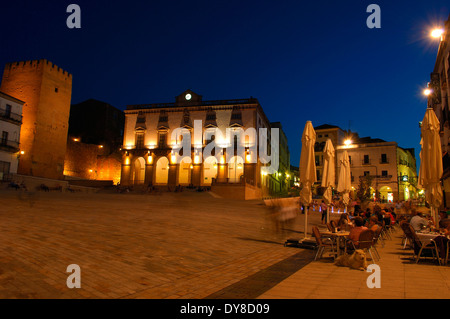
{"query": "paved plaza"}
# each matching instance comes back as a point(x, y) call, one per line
point(166, 245)
point(181, 245)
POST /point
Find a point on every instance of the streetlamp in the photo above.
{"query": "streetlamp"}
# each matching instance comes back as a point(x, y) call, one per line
point(437, 33)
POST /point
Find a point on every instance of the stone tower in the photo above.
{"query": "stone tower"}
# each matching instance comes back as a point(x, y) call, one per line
point(46, 90)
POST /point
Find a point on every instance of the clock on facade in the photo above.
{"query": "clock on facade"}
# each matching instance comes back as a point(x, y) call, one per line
point(188, 96)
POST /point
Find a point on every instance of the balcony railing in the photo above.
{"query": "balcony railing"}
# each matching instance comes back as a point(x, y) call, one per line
point(377, 176)
point(6, 114)
point(7, 145)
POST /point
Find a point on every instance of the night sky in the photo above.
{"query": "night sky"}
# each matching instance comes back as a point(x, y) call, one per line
point(303, 60)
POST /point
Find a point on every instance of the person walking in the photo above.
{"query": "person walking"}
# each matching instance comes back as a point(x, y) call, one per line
point(324, 209)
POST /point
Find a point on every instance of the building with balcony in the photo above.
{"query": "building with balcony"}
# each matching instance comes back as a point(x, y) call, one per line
point(390, 168)
point(156, 136)
point(439, 101)
point(337, 137)
point(10, 124)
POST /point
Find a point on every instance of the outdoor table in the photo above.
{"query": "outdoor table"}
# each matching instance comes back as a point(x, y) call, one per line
point(339, 235)
point(426, 237)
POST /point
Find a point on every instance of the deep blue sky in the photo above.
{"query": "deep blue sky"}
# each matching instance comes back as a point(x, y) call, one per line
point(303, 60)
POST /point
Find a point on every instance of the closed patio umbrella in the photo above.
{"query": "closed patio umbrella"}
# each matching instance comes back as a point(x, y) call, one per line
point(307, 168)
point(329, 175)
point(430, 172)
point(345, 180)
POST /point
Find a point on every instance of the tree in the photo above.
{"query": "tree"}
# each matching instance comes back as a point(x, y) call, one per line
point(363, 190)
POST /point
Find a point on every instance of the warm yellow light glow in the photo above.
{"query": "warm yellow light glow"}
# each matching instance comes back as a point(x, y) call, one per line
point(101, 146)
point(173, 158)
point(75, 139)
point(192, 166)
point(22, 152)
point(287, 175)
point(150, 159)
point(222, 159)
point(90, 171)
point(347, 142)
point(437, 33)
point(248, 157)
point(427, 92)
point(196, 159)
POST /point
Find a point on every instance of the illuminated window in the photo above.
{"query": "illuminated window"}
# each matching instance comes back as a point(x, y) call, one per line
point(139, 140)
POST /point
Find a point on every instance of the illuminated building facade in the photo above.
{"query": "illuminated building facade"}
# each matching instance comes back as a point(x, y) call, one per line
point(10, 123)
point(439, 86)
point(391, 169)
point(46, 90)
point(150, 138)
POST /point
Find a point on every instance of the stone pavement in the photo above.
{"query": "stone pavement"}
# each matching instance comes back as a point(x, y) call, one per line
point(186, 245)
point(183, 245)
point(401, 278)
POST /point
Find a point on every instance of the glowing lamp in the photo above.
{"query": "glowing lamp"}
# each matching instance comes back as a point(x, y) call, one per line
point(427, 92)
point(347, 142)
point(437, 33)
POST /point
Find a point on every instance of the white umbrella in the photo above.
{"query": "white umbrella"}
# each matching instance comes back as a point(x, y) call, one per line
point(328, 178)
point(307, 168)
point(345, 180)
point(431, 169)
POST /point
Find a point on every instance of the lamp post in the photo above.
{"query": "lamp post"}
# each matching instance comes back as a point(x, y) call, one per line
point(437, 33)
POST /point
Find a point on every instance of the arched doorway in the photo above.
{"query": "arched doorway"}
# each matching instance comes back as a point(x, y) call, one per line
point(209, 170)
point(139, 171)
point(162, 171)
point(184, 171)
point(235, 169)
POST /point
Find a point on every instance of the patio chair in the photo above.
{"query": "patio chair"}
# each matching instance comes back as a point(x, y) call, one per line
point(385, 232)
point(365, 242)
point(404, 225)
point(377, 238)
point(419, 248)
point(322, 243)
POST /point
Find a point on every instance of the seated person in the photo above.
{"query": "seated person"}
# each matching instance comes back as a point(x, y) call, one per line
point(373, 224)
point(357, 230)
point(344, 222)
point(418, 222)
point(444, 221)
